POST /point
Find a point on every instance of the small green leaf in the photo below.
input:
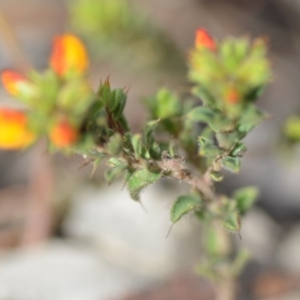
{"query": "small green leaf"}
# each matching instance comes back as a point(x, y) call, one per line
point(139, 180)
point(228, 139)
point(204, 95)
point(148, 132)
point(116, 162)
point(155, 151)
point(232, 163)
point(112, 173)
point(117, 104)
point(207, 148)
point(114, 144)
point(213, 117)
point(123, 122)
point(201, 114)
point(250, 119)
point(215, 241)
point(245, 198)
point(216, 176)
point(232, 221)
point(104, 93)
point(168, 104)
point(220, 123)
point(184, 205)
point(172, 149)
point(137, 145)
point(254, 93)
point(238, 150)
point(204, 215)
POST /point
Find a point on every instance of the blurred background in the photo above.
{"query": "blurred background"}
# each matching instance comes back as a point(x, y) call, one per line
point(64, 236)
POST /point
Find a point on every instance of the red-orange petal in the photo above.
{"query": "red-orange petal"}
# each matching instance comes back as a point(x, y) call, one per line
point(63, 134)
point(204, 40)
point(11, 81)
point(14, 131)
point(68, 54)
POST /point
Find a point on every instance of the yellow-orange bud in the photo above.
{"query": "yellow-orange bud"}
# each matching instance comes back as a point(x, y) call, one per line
point(14, 132)
point(68, 54)
point(11, 81)
point(232, 96)
point(63, 134)
point(204, 40)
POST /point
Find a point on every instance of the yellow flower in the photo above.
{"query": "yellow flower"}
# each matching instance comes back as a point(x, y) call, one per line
point(14, 131)
point(68, 55)
point(63, 134)
point(12, 81)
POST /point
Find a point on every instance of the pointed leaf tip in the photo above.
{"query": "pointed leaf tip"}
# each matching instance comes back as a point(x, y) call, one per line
point(183, 205)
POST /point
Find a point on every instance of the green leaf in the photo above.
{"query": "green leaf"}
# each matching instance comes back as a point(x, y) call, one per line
point(104, 93)
point(228, 139)
point(215, 242)
point(137, 145)
point(45, 86)
point(148, 132)
point(201, 114)
point(238, 150)
point(254, 93)
point(184, 205)
point(123, 122)
point(118, 103)
point(207, 148)
point(168, 104)
point(232, 163)
point(112, 173)
point(233, 52)
point(250, 119)
point(245, 198)
point(139, 180)
point(204, 215)
point(204, 95)
point(116, 162)
point(114, 145)
point(215, 118)
point(232, 221)
point(155, 151)
point(216, 176)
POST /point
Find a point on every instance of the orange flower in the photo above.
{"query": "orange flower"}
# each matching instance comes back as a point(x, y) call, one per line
point(204, 40)
point(11, 81)
point(14, 132)
point(63, 134)
point(232, 96)
point(69, 54)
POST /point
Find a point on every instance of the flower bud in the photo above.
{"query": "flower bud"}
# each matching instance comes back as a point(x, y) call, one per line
point(63, 134)
point(232, 96)
point(14, 131)
point(204, 40)
point(68, 55)
point(12, 81)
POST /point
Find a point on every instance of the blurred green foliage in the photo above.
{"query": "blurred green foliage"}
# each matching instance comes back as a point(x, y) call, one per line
point(121, 31)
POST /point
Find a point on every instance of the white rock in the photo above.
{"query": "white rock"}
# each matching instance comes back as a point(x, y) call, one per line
point(63, 272)
point(259, 234)
point(127, 233)
point(288, 251)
